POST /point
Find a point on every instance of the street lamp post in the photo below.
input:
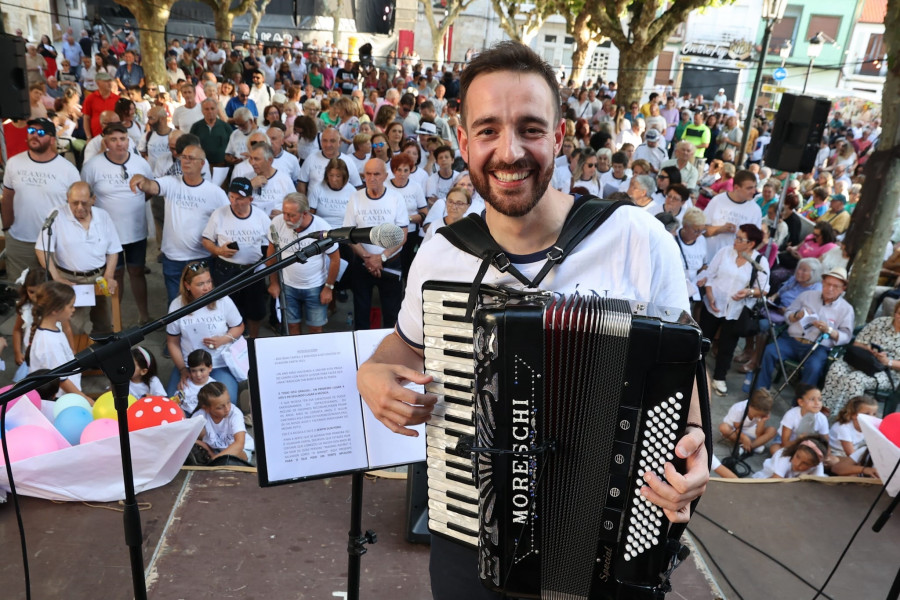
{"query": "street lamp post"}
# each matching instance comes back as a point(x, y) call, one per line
point(772, 12)
point(813, 50)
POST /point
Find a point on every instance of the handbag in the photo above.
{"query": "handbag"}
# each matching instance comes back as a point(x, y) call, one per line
point(237, 358)
point(747, 323)
point(863, 360)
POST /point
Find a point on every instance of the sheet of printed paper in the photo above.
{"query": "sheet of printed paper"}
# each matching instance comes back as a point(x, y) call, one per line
point(311, 410)
point(385, 447)
point(84, 295)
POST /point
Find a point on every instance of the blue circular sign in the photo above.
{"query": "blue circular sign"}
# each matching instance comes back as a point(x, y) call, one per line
point(779, 74)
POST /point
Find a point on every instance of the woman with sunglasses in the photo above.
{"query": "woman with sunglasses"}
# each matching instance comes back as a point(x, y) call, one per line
point(211, 328)
point(728, 291)
point(381, 148)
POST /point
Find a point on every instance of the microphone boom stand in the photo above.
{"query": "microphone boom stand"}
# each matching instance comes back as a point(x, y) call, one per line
point(112, 355)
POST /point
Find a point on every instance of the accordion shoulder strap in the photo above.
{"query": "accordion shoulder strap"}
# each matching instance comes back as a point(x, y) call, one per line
point(471, 235)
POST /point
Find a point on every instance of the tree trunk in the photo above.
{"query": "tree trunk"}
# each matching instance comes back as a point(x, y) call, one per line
point(336, 26)
point(437, 46)
point(256, 15)
point(883, 171)
point(151, 21)
point(224, 20)
point(583, 36)
point(631, 76)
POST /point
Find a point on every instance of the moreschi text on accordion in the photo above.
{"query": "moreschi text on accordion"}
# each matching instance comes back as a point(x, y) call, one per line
point(550, 410)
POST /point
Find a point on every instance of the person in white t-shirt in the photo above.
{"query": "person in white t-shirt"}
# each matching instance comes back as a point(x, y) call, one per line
point(804, 419)
point(755, 434)
point(245, 124)
point(806, 456)
point(329, 200)
point(155, 143)
point(190, 200)
point(308, 288)
point(144, 380)
point(236, 236)
point(108, 175)
point(416, 204)
point(846, 441)
point(270, 185)
point(511, 170)
point(283, 160)
point(224, 432)
point(728, 211)
point(616, 178)
point(441, 181)
point(215, 58)
point(312, 171)
point(199, 364)
point(374, 266)
point(190, 112)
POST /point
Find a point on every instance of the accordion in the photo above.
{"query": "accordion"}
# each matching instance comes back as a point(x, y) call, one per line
point(550, 410)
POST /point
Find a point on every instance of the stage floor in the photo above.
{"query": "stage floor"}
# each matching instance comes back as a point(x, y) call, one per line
point(216, 534)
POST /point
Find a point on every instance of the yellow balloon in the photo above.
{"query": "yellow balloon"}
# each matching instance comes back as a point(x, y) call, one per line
point(105, 406)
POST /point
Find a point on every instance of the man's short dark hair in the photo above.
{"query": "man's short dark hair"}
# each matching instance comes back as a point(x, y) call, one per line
point(508, 56)
point(619, 158)
point(407, 99)
point(116, 127)
point(743, 176)
point(427, 104)
point(187, 139)
point(441, 149)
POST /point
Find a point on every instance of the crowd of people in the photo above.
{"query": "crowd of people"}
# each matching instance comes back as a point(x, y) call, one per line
point(245, 148)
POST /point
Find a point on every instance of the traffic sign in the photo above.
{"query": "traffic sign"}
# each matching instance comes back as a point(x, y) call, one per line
point(779, 74)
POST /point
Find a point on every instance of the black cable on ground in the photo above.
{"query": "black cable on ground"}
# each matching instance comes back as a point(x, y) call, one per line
point(15, 499)
point(712, 559)
point(763, 552)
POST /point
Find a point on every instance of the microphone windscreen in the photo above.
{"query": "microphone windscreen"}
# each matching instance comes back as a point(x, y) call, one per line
point(386, 235)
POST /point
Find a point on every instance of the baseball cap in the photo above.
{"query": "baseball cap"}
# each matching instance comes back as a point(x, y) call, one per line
point(652, 135)
point(45, 124)
point(241, 186)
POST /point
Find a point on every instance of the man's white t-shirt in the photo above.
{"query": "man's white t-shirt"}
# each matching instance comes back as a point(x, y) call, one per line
point(40, 187)
point(363, 211)
point(184, 117)
point(269, 197)
point(219, 436)
point(640, 262)
point(188, 209)
point(609, 184)
point(720, 210)
point(438, 186)
point(155, 146)
point(110, 185)
point(288, 163)
point(237, 143)
point(250, 233)
point(313, 170)
point(303, 276)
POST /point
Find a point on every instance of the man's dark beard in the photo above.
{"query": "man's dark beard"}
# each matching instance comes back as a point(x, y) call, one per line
point(509, 206)
point(41, 146)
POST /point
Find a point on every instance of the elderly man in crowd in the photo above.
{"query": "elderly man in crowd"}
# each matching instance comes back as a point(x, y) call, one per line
point(684, 160)
point(814, 316)
point(34, 183)
point(374, 266)
point(284, 160)
point(96, 145)
point(80, 246)
point(652, 150)
point(155, 142)
point(270, 185)
point(214, 133)
point(308, 287)
point(98, 102)
point(190, 201)
point(107, 175)
point(237, 142)
point(129, 74)
point(236, 235)
point(242, 100)
point(312, 172)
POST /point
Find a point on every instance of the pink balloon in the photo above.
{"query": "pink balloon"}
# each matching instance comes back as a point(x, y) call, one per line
point(99, 429)
point(29, 440)
point(32, 395)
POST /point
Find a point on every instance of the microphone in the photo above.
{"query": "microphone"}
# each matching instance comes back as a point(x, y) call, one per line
point(49, 220)
point(273, 232)
point(753, 263)
point(386, 235)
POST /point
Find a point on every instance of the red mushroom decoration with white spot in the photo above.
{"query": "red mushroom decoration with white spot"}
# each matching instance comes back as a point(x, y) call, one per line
point(150, 411)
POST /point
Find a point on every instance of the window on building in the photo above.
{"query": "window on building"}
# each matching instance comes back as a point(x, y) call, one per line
point(782, 32)
point(827, 24)
point(874, 56)
point(569, 40)
point(549, 39)
point(663, 68)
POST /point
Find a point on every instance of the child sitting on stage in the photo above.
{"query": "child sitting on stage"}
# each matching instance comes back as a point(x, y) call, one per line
point(224, 432)
point(804, 419)
point(755, 434)
point(144, 381)
point(846, 442)
point(199, 364)
point(805, 456)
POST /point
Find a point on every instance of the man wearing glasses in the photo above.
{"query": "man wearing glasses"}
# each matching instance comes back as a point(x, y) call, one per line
point(79, 246)
point(260, 93)
point(242, 100)
point(108, 174)
point(729, 210)
point(312, 171)
point(245, 122)
point(35, 182)
point(190, 200)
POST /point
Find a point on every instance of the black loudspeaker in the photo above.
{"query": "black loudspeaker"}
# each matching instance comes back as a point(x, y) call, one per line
point(14, 102)
point(798, 129)
point(417, 504)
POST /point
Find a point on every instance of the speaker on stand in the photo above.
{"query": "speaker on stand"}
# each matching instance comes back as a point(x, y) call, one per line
point(799, 126)
point(14, 103)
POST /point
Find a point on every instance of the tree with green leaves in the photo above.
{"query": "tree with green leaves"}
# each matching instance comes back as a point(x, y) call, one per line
point(224, 15)
point(534, 14)
point(639, 30)
point(151, 19)
point(873, 220)
point(440, 24)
